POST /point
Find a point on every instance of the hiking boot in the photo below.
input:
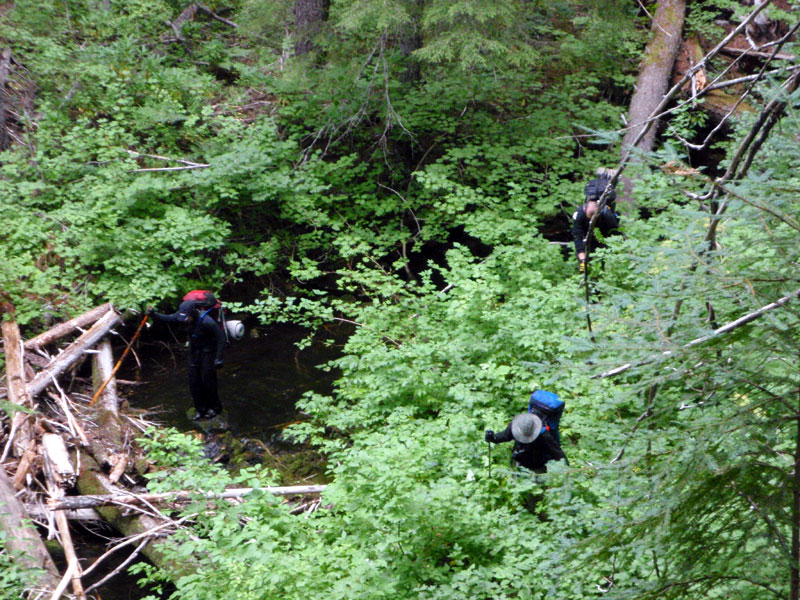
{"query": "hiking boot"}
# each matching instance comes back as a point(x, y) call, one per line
point(199, 416)
point(211, 413)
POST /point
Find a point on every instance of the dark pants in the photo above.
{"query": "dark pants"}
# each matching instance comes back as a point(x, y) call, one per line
point(203, 380)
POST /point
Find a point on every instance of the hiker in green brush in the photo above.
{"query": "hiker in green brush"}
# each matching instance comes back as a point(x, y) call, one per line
point(607, 221)
point(534, 445)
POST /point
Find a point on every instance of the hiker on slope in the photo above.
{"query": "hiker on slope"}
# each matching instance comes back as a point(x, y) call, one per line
point(607, 221)
point(206, 344)
point(534, 445)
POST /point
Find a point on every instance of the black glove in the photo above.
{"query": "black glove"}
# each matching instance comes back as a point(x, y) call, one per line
point(150, 311)
point(218, 363)
point(489, 437)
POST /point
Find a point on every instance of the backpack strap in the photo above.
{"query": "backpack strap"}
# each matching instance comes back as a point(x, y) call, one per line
point(200, 320)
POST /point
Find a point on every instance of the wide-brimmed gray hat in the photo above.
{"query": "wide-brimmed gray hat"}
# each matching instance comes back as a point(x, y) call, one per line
point(526, 427)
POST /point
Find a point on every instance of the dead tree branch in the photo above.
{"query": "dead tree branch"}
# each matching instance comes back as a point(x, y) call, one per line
point(728, 327)
point(88, 501)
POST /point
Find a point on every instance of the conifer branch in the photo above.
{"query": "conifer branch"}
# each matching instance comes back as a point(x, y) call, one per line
point(727, 328)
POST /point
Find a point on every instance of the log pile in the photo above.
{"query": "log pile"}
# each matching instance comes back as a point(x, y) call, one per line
point(65, 457)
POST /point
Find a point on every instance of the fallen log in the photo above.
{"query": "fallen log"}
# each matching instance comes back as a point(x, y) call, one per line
point(107, 444)
point(21, 434)
point(41, 512)
point(93, 501)
point(73, 352)
point(93, 482)
point(59, 471)
point(22, 541)
point(64, 329)
point(58, 462)
point(103, 380)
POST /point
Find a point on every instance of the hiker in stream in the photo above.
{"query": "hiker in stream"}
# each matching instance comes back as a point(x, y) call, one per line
point(206, 344)
point(607, 221)
point(534, 445)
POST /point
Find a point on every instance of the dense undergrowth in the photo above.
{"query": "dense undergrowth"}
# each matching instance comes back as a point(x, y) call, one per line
point(408, 194)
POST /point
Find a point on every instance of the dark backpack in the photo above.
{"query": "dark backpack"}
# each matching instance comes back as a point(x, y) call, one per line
point(549, 407)
point(594, 189)
point(208, 305)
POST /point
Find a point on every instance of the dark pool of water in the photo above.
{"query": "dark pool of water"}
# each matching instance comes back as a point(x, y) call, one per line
point(263, 377)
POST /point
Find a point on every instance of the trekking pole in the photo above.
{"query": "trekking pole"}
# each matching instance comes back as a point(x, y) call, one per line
point(119, 362)
point(586, 289)
point(588, 247)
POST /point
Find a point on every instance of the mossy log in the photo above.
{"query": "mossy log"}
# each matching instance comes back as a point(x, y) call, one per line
point(22, 541)
point(92, 481)
point(654, 71)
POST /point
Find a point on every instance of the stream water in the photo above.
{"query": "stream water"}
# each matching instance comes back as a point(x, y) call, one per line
point(263, 377)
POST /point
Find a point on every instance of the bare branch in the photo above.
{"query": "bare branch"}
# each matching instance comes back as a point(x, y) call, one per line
point(728, 327)
point(213, 15)
point(183, 161)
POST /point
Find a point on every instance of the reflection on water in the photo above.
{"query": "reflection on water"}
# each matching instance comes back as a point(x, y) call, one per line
point(259, 384)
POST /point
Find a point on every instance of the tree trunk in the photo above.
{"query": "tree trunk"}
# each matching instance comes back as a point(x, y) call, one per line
point(794, 572)
point(21, 541)
point(653, 80)
point(309, 15)
point(411, 41)
point(5, 68)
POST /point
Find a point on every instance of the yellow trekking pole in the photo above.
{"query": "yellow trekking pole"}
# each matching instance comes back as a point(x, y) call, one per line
point(119, 362)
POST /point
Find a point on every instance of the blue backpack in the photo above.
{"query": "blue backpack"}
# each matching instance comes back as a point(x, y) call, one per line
point(550, 407)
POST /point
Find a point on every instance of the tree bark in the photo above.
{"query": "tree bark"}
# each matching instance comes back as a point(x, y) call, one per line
point(309, 15)
point(17, 388)
point(102, 371)
point(5, 69)
point(64, 329)
point(73, 352)
point(794, 572)
point(653, 80)
point(22, 541)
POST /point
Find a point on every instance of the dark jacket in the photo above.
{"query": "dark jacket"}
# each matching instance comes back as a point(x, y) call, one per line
point(607, 222)
point(535, 455)
point(207, 336)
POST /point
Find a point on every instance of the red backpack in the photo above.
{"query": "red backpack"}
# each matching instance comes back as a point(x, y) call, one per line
point(203, 299)
point(210, 306)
